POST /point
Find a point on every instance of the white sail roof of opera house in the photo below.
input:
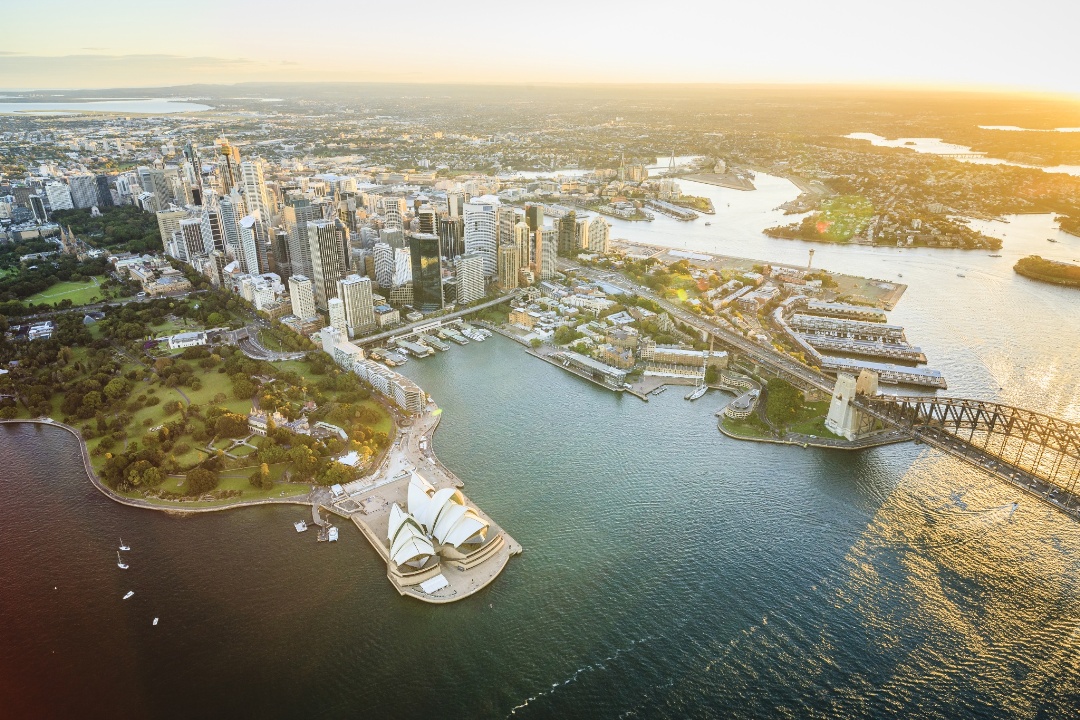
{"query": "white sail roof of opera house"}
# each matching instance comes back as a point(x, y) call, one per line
point(442, 514)
point(408, 542)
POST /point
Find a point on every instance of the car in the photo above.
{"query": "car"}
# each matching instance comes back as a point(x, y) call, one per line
point(142, 294)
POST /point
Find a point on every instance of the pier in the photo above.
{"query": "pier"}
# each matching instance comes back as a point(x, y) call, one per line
point(892, 374)
point(865, 348)
point(854, 329)
point(674, 211)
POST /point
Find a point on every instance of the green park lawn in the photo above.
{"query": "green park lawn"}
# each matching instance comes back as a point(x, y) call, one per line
point(749, 427)
point(385, 424)
point(79, 293)
point(236, 479)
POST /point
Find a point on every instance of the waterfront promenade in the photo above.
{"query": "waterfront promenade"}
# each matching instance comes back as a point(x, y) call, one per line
point(378, 492)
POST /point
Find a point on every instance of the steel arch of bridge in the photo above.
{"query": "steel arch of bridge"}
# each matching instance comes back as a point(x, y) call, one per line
point(1043, 446)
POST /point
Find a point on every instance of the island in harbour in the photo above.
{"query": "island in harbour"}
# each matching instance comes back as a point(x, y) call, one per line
point(1050, 271)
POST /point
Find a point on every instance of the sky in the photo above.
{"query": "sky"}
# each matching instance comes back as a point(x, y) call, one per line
point(942, 43)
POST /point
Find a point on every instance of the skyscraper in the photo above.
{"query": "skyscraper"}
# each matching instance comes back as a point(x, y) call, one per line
point(426, 271)
point(599, 232)
point(451, 234)
point(329, 257)
point(212, 229)
point(522, 240)
point(169, 223)
point(355, 293)
point(549, 242)
point(470, 277)
point(194, 168)
point(192, 234)
point(251, 237)
point(455, 204)
point(302, 294)
point(153, 181)
point(391, 209)
point(37, 206)
point(83, 190)
point(425, 214)
point(218, 261)
point(297, 215)
point(253, 189)
point(231, 207)
point(509, 217)
point(384, 265)
point(508, 267)
point(481, 231)
point(336, 308)
point(104, 194)
point(402, 267)
point(534, 216)
point(59, 196)
point(567, 233)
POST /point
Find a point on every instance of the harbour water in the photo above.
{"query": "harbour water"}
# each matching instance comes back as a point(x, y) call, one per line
point(152, 106)
point(936, 146)
point(668, 571)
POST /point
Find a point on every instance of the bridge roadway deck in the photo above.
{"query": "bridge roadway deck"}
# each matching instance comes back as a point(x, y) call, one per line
point(1037, 487)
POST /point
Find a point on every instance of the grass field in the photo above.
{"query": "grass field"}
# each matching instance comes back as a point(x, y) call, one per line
point(79, 293)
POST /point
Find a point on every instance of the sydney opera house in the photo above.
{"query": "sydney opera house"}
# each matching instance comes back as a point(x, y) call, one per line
point(434, 517)
point(438, 548)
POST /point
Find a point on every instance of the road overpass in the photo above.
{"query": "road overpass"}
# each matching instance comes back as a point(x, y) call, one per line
point(412, 328)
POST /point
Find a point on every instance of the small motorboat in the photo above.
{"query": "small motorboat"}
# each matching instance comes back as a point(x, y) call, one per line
point(300, 526)
point(129, 594)
point(120, 562)
point(155, 621)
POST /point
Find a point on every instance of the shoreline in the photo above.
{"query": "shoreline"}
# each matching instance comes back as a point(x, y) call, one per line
point(1049, 280)
point(469, 574)
point(146, 504)
point(849, 447)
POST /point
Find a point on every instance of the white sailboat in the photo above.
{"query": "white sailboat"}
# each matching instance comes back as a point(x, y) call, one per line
point(120, 562)
point(122, 545)
point(701, 388)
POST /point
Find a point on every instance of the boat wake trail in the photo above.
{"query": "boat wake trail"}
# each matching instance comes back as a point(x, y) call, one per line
point(591, 667)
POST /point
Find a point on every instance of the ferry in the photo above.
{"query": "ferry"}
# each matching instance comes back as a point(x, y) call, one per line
point(473, 335)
